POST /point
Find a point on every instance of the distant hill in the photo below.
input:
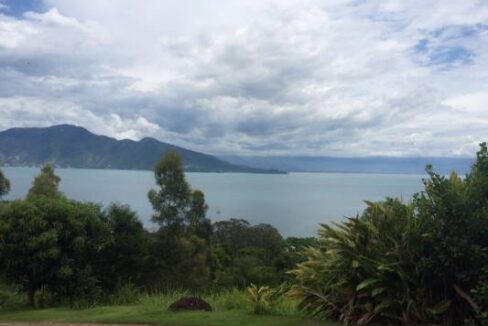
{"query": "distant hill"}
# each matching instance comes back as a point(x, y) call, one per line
point(400, 165)
point(72, 146)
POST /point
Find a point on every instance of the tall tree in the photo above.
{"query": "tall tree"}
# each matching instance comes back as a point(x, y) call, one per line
point(45, 184)
point(184, 235)
point(198, 222)
point(123, 257)
point(4, 185)
point(171, 201)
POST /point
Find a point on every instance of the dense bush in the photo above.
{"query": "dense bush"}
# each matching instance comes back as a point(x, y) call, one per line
point(53, 243)
point(418, 263)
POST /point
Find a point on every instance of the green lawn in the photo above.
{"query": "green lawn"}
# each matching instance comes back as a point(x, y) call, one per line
point(150, 315)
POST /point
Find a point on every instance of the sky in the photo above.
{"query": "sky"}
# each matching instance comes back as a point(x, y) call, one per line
point(254, 77)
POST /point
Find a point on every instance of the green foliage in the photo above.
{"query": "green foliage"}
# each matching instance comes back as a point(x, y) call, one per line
point(198, 223)
point(45, 184)
point(4, 185)
point(180, 252)
point(261, 298)
point(126, 294)
point(11, 297)
point(59, 251)
point(224, 300)
point(177, 262)
point(125, 250)
point(480, 296)
point(171, 201)
point(247, 254)
point(53, 243)
point(344, 278)
point(228, 299)
point(404, 264)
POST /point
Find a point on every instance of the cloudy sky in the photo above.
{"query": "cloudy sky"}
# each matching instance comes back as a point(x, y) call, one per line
point(261, 77)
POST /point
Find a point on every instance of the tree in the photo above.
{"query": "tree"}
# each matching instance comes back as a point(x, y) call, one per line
point(45, 184)
point(53, 243)
point(177, 261)
point(267, 238)
point(237, 234)
point(198, 222)
point(25, 247)
point(171, 201)
point(231, 234)
point(247, 254)
point(123, 256)
point(183, 239)
point(4, 185)
point(177, 206)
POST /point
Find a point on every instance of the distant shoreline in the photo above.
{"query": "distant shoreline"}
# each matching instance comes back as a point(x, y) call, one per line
point(225, 172)
point(142, 170)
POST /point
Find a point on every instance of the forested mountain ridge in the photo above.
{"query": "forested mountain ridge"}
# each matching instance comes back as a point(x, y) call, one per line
point(365, 164)
point(76, 147)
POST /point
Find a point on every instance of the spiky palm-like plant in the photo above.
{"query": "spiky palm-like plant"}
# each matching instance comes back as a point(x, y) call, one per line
point(362, 271)
point(261, 298)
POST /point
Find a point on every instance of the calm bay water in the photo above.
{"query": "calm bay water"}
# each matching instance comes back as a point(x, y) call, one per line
point(294, 203)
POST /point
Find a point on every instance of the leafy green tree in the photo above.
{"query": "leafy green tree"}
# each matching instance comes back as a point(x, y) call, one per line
point(123, 256)
point(83, 238)
point(198, 223)
point(177, 261)
point(180, 250)
point(237, 234)
point(4, 185)
point(171, 201)
point(52, 243)
point(25, 247)
point(231, 234)
point(177, 206)
point(45, 184)
point(268, 238)
point(194, 262)
point(247, 254)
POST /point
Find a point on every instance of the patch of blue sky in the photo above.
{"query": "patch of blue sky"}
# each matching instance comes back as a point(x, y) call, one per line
point(18, 7)
point(438, 55)
point(454, 55)
point(445, 47)
point(459, 31)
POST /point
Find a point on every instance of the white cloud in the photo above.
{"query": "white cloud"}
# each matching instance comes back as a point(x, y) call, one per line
point(280, 77)
point(27, 112)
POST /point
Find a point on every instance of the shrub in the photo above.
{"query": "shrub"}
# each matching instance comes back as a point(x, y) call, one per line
point(125, 295)
point(401, 263)
point(480, 296)
point(11, 298)
point(261, 298)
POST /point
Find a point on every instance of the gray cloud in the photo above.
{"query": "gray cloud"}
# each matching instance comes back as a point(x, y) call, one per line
point(264, 77)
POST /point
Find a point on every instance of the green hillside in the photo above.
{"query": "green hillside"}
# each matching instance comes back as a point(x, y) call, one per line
point(72, 146)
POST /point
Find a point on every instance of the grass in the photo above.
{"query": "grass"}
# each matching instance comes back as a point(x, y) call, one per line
point(143, 314)
point(231, 307)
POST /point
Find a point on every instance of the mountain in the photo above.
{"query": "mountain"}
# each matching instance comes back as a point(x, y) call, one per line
point(72, 146)
point(400, 165)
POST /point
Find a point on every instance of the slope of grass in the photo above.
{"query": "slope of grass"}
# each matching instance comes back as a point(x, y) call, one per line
point(148, 314)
